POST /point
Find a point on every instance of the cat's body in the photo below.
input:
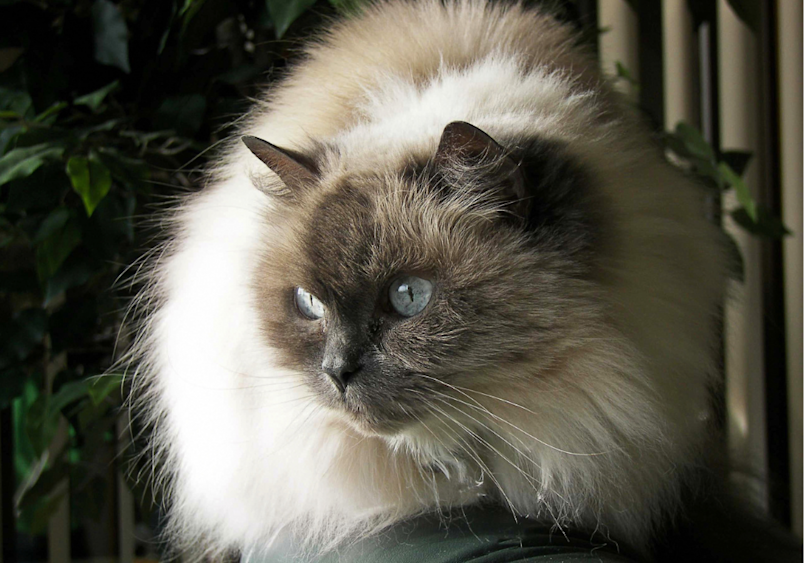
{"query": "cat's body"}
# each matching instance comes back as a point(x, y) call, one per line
point(560, 368)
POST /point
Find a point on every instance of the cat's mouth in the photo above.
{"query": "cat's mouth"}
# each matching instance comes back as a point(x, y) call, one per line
point(370, 410)
point(370, 418)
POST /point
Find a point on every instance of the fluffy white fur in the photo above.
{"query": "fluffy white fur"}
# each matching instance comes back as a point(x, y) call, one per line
point(243, 448)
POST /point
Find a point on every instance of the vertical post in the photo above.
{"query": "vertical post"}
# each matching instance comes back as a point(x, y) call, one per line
point(705, 20)
point(58, 528)
point(789, 80)
point(773, 276)
point(58, 525)
point(618, 43)
point(708, 64)
point(681, 63)
point(744, 351)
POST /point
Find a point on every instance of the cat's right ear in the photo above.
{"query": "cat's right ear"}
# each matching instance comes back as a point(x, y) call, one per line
point(294, 169)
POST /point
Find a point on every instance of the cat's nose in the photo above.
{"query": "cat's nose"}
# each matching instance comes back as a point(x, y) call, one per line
point(340, 370)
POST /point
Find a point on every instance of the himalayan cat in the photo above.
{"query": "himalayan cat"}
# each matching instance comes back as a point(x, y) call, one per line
point(444, 266)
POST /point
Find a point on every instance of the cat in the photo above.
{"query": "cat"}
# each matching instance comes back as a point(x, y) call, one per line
point(445, 266)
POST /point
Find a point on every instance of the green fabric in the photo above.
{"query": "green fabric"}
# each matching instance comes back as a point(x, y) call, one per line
point(488, 536)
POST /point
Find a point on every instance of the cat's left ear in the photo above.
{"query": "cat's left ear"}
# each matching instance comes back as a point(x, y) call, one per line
point(294, 169)
point(465, 145)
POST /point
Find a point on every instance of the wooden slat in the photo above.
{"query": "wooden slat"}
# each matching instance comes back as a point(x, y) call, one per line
point(681, 73)
point(619, 41)
point(744, 353)
point(789, 52)
point(772, 269)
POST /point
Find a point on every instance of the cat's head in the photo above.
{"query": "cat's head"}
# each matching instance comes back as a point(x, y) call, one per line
point(394, 295)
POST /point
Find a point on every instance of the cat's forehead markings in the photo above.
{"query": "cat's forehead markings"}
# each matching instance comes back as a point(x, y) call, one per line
point(339, 237)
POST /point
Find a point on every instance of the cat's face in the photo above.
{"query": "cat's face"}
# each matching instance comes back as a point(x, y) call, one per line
point(390, 294)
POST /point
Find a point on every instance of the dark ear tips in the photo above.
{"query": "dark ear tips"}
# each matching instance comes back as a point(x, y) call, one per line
point(460, 138)
point(292, 168)
point(464, 143)
point(254, 144)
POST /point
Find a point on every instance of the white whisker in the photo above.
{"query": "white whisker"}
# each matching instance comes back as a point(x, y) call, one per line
point(480, 407)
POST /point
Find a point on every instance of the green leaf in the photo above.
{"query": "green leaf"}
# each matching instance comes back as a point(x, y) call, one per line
point(740, 190)
point(77, 269)
point(45, 135)
point(54, 250)
point(765, 224)
point(190, 7)
point(90, 179)
point(93, 100)
point(49, 115)
point(68, 394)
point(21, 334)
point(708, 170)
point(184, 114)
point(91, 414)
point(110, 125)
point(675, 144)
point(7, 136)
point(25, 457)
point(694, 142)
point(111, 35)
point(23, 162)
point(168, 18)
point(625, 74)
point(285, 12)
point(50, 478)
point(17, 102)
point(131, 172)
point(55, 221)
point(348, 7)
point(41, 425)
point(103, 386)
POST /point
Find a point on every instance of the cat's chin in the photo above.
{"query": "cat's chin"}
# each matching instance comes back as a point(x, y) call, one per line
point(393, 432)
point(370, 430)
point(357, 416)
point(368, 426)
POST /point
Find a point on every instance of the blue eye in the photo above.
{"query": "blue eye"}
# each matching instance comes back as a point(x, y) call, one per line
point(309, 305)
point(409, 295)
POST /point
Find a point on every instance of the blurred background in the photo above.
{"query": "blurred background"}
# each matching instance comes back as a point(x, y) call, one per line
point(109, 109)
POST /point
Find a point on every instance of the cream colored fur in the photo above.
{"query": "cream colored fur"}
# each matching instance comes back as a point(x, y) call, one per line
point(601, 442)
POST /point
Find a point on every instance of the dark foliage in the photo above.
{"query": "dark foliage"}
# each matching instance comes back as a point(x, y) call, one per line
point(105, 108)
